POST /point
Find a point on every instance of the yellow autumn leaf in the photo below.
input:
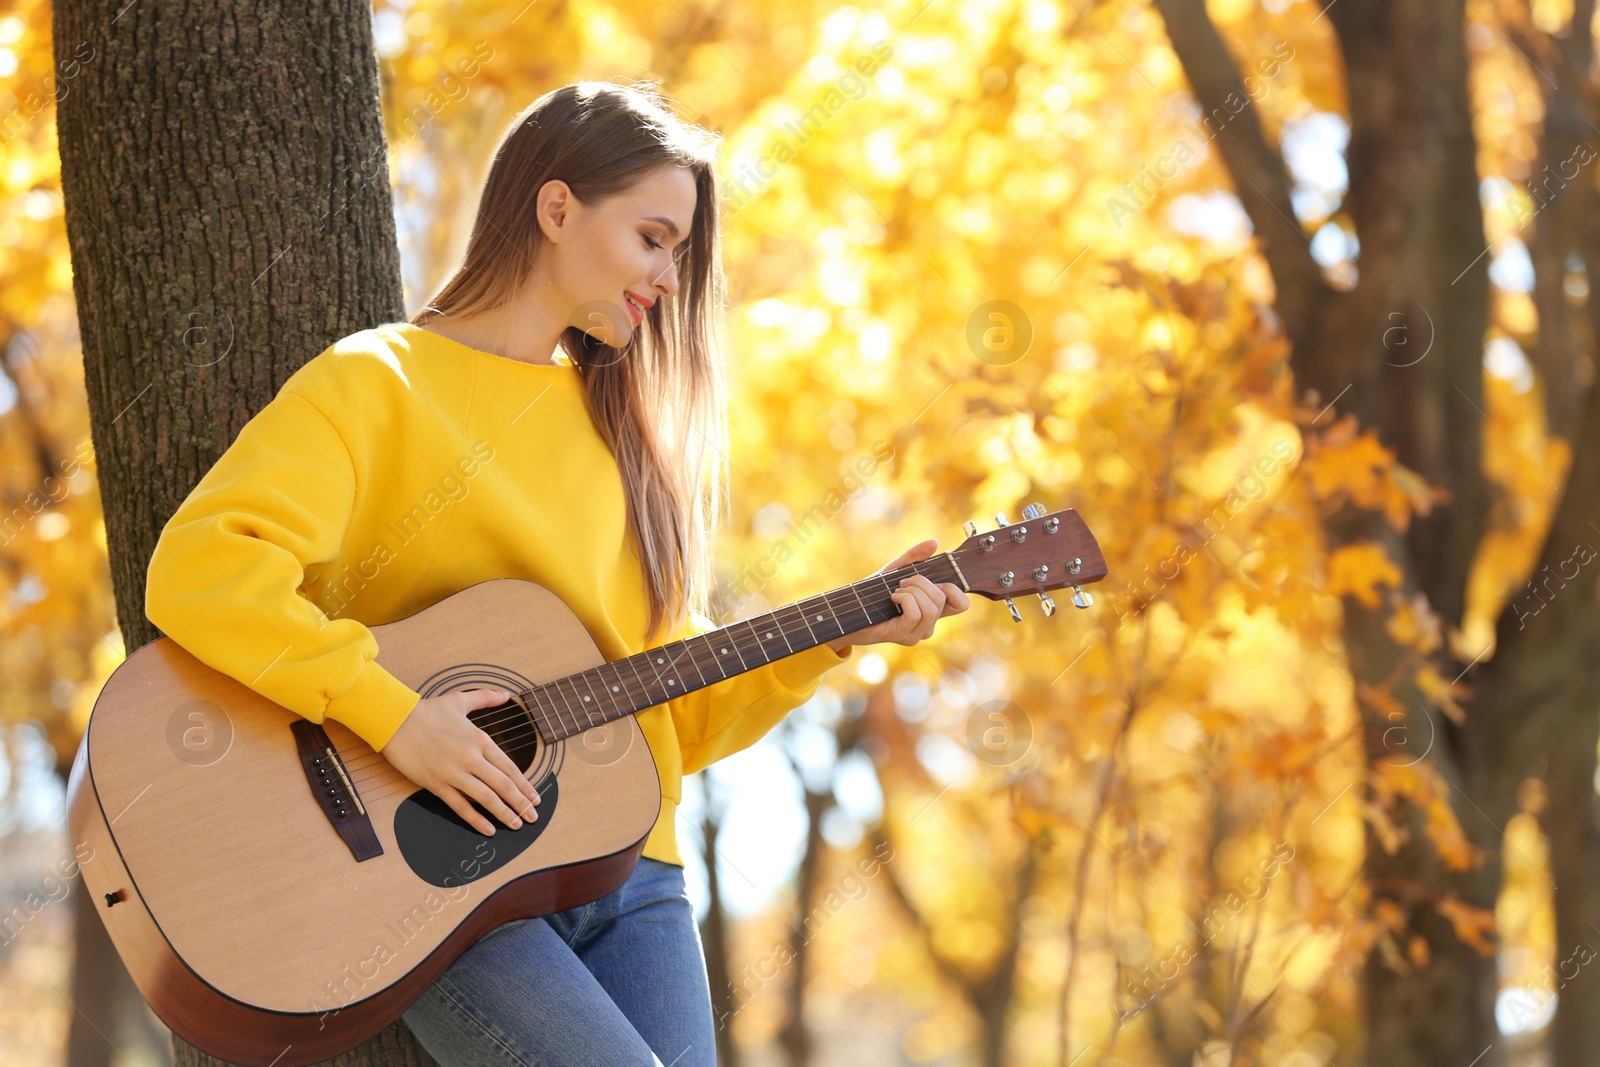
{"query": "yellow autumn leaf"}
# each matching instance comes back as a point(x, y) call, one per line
point(1358, 570)
point(1426, 789)
point(1442, 694)
point(1345, 462)
point(1415, 625)
point(1382, 700)
point(1473, 925)
point(1388, 914)
point(1444, 830)
point(1410, 493)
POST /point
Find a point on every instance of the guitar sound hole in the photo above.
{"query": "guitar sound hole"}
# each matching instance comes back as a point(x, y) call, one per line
point(443, 850)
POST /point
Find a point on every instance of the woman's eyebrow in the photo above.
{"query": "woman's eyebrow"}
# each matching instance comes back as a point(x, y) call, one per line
point(672, 227)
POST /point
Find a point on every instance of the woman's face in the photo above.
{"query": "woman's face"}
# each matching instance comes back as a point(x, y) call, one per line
point(601, 258)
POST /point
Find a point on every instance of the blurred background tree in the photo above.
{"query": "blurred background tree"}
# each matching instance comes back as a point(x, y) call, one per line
point(1290, 300)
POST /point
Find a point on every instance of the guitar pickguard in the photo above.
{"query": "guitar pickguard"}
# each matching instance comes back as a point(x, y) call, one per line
point(444, 850)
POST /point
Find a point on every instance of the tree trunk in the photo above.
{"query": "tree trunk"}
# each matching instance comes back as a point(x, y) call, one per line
point(794, 1038)
point(1434, 1014)
point(1555, 225)
point(229, 216)
point(1563, 237)
point(714, 931)
point(1570, 822)
point(94, 987)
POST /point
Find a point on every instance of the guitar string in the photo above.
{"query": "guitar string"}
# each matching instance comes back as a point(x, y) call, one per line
point(520, 722)
point(556, 716)
point(406, 786)
point(785, 628)
point(553, 716)
point(527, 720)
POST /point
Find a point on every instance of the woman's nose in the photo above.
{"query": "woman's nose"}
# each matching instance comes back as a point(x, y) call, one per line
point(666, 283)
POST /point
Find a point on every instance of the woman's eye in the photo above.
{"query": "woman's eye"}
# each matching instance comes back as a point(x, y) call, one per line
point(650, 242)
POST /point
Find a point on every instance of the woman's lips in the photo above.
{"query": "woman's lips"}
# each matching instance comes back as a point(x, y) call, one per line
point(633, 311)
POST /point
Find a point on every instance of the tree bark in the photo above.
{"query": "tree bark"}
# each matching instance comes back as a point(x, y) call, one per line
point(229, 216)
point(714, 930)
point(1571, 825)
point(1562, 193)
point(794, 1038)
point(94, 986)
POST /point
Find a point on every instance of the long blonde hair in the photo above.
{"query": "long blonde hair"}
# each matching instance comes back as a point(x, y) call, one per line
point(659, 402)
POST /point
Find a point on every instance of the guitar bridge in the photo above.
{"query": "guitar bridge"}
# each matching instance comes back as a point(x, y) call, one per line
point(334, 791)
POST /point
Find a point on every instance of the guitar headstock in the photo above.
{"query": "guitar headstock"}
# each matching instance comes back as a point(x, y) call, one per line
point(1041, 553)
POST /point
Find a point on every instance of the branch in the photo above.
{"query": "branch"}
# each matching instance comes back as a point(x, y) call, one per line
point(947, 967)
point(1259, 176)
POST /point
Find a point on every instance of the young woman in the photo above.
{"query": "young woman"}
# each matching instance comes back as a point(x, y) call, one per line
point(548, 415)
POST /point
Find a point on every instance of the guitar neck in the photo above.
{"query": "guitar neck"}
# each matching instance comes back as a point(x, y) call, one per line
point(596, 696)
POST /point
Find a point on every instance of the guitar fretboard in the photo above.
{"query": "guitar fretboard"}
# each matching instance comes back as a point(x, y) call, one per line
point(596, 696)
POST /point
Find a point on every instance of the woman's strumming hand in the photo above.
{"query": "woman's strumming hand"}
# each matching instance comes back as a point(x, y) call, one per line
point(922, 603)
point(444, 752)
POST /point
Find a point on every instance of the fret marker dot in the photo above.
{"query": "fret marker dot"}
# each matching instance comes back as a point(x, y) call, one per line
point(819, 618)
point(614, 689)
point(672, 681)
point(660, 660)
point(724, 652)
point(586, 700)
point(769, 633)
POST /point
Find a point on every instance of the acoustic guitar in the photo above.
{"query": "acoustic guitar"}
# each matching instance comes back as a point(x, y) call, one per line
point(281, 893)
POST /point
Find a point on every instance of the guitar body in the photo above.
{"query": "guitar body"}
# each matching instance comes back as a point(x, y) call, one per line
point(237, 898)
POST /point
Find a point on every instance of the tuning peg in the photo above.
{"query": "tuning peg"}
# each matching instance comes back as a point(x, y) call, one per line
point(1000, 519)
point(1016, 616)
point(1033, 511)
point(1080, 598)
point(1048, 605)
point(970, 528)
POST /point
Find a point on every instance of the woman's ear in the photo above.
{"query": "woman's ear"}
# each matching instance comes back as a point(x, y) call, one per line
point(552, 206)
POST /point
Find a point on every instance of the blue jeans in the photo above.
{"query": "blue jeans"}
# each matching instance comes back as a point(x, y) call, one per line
point(619, 981)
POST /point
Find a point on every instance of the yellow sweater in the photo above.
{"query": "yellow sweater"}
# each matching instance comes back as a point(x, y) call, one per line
point(392, 470)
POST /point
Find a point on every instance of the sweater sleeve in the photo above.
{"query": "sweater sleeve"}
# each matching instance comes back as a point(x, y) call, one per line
point(224, 580)
point(733, 714)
